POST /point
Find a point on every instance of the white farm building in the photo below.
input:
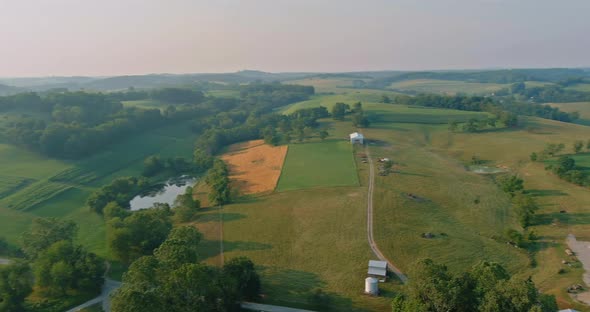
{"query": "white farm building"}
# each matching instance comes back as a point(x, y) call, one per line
point(356, 138)
point(377, 269)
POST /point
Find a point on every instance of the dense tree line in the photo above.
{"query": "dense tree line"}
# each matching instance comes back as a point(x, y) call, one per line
point(172, 279)
point(548, 93)
point(487, 287)
point(504, 110)
point(121, 190)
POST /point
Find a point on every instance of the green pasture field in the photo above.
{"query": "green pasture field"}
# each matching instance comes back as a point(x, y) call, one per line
point(301, 240)
point(446, 86)
point(510, 149)
point(318, 164)
point(394, 113)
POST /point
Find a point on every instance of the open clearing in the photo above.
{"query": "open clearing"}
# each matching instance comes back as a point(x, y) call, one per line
point(255, 167)
point(318, 164)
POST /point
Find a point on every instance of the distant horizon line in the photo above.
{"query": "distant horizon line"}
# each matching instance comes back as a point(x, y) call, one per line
point(296, 72)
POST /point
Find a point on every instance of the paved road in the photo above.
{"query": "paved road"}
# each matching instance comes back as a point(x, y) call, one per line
point(269, 308)
point(372, 243)
point(107, 288)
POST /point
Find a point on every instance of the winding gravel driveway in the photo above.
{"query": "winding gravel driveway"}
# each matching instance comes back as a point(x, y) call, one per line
point(372, 243)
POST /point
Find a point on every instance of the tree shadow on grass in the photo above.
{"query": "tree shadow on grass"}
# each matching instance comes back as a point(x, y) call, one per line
point(212, 248)
point(227, 217)
point(301, 289)
point(541, 193)
point(413, 174)
point(562, 218)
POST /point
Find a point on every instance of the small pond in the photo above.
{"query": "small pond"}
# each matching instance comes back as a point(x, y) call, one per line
point(164, 193)
point(486, 169)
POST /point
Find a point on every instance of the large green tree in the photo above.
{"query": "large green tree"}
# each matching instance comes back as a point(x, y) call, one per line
point(16, 283)
point(45, 232)
point(138, 234)
point(486, 287)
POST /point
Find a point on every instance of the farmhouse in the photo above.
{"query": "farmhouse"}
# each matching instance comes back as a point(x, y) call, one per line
point(356, 138)
point(377, 269)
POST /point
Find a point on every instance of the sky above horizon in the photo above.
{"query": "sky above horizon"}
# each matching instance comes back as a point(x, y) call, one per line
point(122, 37)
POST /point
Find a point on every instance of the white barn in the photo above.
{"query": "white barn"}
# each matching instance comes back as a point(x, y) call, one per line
point(377, 268)
point(356, 138)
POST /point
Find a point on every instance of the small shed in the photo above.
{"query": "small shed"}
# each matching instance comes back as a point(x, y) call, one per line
point(357, 138)
point(377, 269)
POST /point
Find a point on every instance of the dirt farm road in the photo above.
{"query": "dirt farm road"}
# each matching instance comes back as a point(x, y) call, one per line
point(372, 243)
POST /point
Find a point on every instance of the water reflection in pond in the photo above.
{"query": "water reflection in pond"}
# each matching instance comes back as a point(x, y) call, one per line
point(164, 193)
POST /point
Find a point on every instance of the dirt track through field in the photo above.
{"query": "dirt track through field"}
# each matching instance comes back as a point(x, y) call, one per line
point(372, 243)
point(255, 167)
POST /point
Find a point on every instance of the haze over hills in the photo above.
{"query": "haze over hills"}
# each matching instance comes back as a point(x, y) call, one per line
point(381, 78)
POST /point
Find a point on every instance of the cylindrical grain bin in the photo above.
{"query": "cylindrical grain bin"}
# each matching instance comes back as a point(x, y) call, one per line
point(372, 286)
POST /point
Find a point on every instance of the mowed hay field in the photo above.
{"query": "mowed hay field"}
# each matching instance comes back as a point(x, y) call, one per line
point(254, 167)
point(319, 164)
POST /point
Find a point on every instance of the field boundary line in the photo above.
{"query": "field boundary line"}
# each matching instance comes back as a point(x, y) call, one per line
point(370, 238)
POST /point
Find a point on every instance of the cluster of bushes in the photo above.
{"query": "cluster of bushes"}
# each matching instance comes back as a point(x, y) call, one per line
point(486, 287)
point(566, 169)
point(172, 279)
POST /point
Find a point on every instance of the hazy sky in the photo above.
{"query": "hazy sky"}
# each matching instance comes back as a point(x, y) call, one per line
point(114, 37)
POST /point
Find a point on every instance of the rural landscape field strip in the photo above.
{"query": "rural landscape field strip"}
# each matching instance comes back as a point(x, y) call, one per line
point(372, 243)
